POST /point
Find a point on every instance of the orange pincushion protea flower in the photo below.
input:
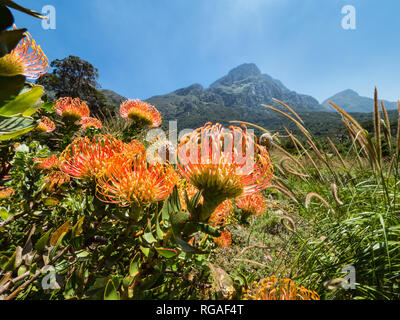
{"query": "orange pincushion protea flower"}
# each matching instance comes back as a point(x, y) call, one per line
point(89, 122)
point(224, 163)
point(46, 125)
point(272, 288)
point(137, 184)
point(27, 58)
point(134, 148)
point(47, 163)
point(6, 192)
point(218, 219)
point(221, 215)
point(225, 240)
point(86, 158)
point(55, 179)
point(253, 204)
point(71, 109)
point(141, 112)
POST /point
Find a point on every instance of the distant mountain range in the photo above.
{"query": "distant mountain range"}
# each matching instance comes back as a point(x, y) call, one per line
point(239, 95)
point(351, 101)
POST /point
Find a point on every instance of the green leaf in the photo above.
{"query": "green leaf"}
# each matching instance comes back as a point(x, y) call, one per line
point(10, 265)
point(6, 18)
point(59, 234)
point(41, 244)
point(167, 253)
point(48, 107)
point(10, 87)
point(96, 291)
point(33, 109)
point(178, 221)
point(207, 229)
point(51, 202)
point(83, 254)
point(175, 200)
point(146, 251)
point(3, 213)
point(3, 261)
point(9, 40)
point(111, 292)
point(21, 270)
point(150, 281)
point(22, 103)
point(171, 205)
point(159, 232)
point(149, 238)
point(186, 247)
point(77, 228)
point(11, 128)
point(134, 265)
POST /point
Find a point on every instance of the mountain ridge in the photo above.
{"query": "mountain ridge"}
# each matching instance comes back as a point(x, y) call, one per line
point(239, 95)
point(350, 101)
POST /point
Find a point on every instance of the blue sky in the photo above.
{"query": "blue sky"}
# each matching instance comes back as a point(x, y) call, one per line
point(149, 47)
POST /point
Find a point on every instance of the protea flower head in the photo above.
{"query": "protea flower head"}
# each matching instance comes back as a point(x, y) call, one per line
point(137, 184)
point(272, 288)
point(45, 125)
point(222, 214)
point(6, 192)
point(141, 112)
point(253, 204)
point(27, 58)
point(47, 163)
point(71, 109)
point(225, 240)
point(224, 163)
point(86, 158)
point(134, 148)
point(55, 179)
point(219, 218)
point(89, 122)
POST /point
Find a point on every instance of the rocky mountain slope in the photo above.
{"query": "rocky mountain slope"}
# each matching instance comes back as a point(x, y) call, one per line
point(351, 101)
point(236, 96)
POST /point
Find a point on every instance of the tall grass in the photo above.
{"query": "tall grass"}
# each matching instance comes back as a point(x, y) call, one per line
point(349, 208)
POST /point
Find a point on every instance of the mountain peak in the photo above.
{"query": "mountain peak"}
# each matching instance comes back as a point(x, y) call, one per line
point(239, 73)
point(348, 93)
point(244, 71)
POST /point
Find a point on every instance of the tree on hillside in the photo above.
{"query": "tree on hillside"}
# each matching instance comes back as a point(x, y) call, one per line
point(76, 78)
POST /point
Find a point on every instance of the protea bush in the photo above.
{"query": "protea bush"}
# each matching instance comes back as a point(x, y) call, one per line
point(114, 220)
point(219, 215)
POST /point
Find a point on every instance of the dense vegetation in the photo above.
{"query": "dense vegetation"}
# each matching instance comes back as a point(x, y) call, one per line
point(90, 208)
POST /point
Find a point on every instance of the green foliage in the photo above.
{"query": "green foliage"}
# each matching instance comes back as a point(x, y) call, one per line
point(16, 101)
point(346, 211)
